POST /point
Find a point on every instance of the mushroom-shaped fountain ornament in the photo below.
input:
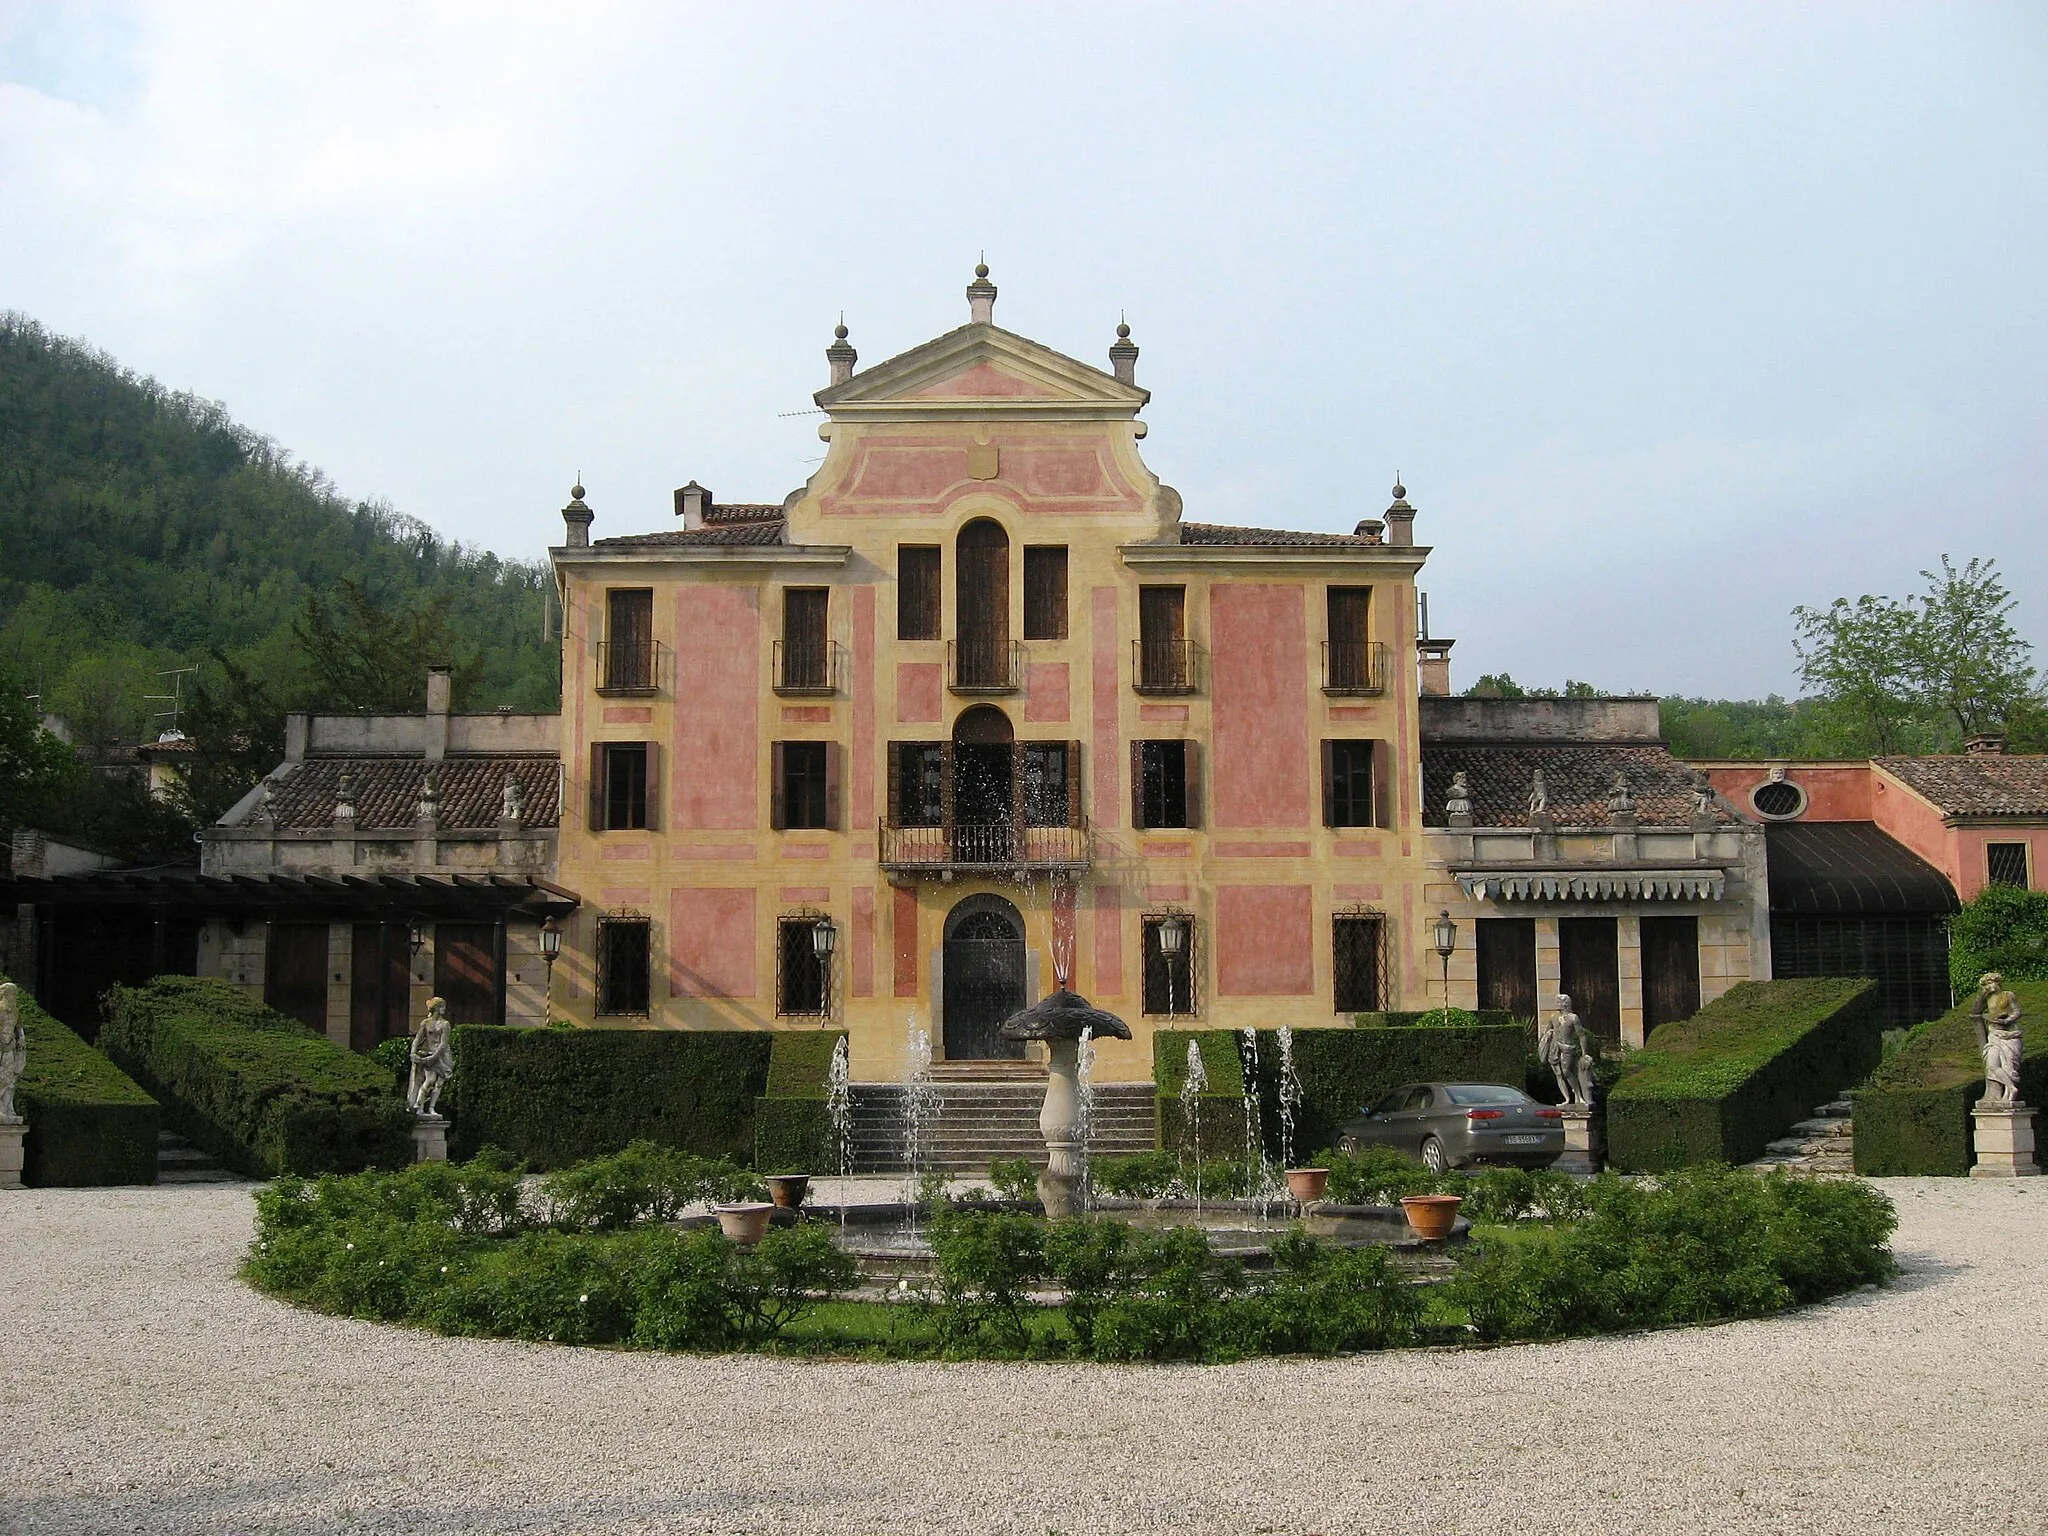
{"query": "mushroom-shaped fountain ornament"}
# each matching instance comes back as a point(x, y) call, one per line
point(1059, 1021)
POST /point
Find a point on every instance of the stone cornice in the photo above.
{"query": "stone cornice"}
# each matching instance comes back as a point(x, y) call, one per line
point(1398, 559)
point(1668, 883)
point(728, 556)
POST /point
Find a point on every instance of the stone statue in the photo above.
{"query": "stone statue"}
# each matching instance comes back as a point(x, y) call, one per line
point(1567, 1048)
point(1539, 795)
point(13, 1050)
point(1619, 801)
point(1702, 795)
point(1997, 1015)
point(433, 1060)
point(1459, 802)
point(514, 808)
point(430, 798)
point(345, 796)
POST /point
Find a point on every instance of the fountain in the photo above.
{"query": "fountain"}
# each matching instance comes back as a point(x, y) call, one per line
point(1258, 1175)
point(1191, 1088)
point(839, 1112)
point(1084, 1107)
point(1061, 1021)
point(920, 1105)
point(1290, 1096)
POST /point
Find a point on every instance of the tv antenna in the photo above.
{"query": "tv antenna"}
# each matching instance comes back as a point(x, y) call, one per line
point(175, 698)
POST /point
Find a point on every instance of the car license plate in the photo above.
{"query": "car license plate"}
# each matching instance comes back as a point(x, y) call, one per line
point(1523, 1141)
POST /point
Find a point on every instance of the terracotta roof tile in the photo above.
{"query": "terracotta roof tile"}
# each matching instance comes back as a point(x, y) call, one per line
point(683, 538)
point(1578, 778)
point(1220, 533)
point(724, 512)
point(472, 791)
point(1988, 784)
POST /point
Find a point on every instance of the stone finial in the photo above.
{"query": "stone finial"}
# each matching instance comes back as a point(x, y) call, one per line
point(1702, 800)
point(1123, 355)
point(430, 798)
point(264, 815)
point(513, 808)
point(981, 297)
point(840, 354)
point(1539, 795)
point(1400, 516)
point(578, 517)
point(345, 796)
point(1458, 804)
point(1621, 804)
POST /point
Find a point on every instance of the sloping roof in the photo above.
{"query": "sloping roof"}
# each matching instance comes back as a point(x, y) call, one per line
point(677, 538)
point(471, 790)
point(1850, 868)
point(1578, 779)
point(721, 513)
point(1223, 533)
point(1987, 784)
point(197, 895)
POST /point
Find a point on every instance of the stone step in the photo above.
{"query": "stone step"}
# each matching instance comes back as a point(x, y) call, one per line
point(1823, 1125)
point(178, 1161)
point(1840, 1109)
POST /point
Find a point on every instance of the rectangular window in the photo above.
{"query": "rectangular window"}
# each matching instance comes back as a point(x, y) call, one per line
point(917, 592)
point(622, 767)
point(1164, 664)
point(1170, 966)
point(2006, 864)
point(805, 651)
point(1045, 784)
point(803, 986)
point(1348, 784)
point(1159, 783)
point(803, 787)
point(1358, 954)
point(629, 640)
point(918, 793)
point(624, 954)
point(1045, 592)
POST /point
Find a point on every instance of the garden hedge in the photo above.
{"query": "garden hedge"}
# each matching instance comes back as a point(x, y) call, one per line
point(1913, 1116)
point(2002, 929)
point(258, 1090)
point(88, 1121)
point(1341, 1071)
point(557, 1096)
point(1222, 1100)
point(792, 1131)
point(1719, 1086)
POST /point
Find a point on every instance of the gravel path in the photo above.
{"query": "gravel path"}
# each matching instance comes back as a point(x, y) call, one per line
point(144, 1388)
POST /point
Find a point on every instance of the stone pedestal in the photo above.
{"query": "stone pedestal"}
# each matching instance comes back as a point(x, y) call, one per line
point(1581, 1140)
point(2005, 1142)
point(1059, 1187)
point(12, 1132)
point(430, 1139)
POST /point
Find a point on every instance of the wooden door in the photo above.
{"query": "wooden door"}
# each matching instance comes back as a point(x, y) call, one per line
point(1349, 610)
point(1671, 969)
point(1589, 965)
point(295, 972)
point(981, 608)
point(805, 611)
point(380, 985)
point(629, 638)
point(466, 971)
point(1162, 637)
point(1507, 965)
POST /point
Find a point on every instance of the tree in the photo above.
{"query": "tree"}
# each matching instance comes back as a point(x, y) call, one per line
point(1967, 661)
point(38, 773)
point(236, 725)
point(365, 657)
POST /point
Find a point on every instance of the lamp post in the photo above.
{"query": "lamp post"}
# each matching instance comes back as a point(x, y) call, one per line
point(1173, 937)
point(825, 939)
point(550, 951)
point(1446, 941)
point(416, 937)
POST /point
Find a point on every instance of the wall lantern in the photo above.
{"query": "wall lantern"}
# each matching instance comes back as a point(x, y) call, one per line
point(416, 936)
point(1446, 934)
point(1173, 936)
point(550, 942)
point(824, 938)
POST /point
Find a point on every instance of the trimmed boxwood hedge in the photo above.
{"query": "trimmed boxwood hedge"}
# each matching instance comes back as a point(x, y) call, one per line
point(1221, 1101)
point(88, 1121)
point(557, 1096)
point(1913, 1116)
point(258, 1090)
point(1717, 1087)
point(792, 1132)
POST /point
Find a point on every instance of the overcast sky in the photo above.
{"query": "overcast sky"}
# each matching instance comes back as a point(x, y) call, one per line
point(1671, 318)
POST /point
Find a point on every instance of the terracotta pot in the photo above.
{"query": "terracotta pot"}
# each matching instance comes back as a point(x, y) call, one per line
point(745, 1224)
point(788, 1189)
point(1431, 1215)
point(1307, 1184)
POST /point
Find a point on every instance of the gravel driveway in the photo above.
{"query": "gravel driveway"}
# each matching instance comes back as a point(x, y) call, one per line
point(144, 1388)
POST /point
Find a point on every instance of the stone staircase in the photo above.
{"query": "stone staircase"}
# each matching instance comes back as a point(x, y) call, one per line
point(988, 1114)
point(1826, 1143)
point(180, 1162)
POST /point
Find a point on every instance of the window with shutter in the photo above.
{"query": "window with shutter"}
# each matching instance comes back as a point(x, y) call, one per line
point(1045, 592)
point(628, 658)
point(1164, 663)
point(917, 592)
point(1046, 783)
point(1349, 670)
point(805, 801)
point(1162, 783)
point(982, 605)
point(623, 766)
point(1348, 783)
point(805, 633)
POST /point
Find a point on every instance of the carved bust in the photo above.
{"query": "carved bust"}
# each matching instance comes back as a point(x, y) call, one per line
point(1458, 803)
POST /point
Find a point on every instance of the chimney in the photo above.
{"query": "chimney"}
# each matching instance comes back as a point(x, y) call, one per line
point(981, 298)
point(840, 354)
point(1400, 517)
point(693, 501)
point(440, 695)
point(1433, 665)
point(1123, 356)
point(1985, 744)
point(1370, 529)
point(578, 517)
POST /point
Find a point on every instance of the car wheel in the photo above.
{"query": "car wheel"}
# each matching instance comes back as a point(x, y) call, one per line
point(1434, 1157)
point(1347, 1143)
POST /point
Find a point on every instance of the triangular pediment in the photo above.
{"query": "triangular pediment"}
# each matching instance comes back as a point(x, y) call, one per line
point(982, 367)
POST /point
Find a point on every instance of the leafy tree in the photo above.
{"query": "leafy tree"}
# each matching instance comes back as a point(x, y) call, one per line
point(1858, 657)
point(237, 729)
point(37, 771)
point(1967, 661)
point(364, 656)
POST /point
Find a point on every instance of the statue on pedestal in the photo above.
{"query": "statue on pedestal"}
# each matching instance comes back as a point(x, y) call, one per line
point(1567, 1048)
point(13, 1049)
point(1996, 1013)
point(433, 1060)
point(1539, 796)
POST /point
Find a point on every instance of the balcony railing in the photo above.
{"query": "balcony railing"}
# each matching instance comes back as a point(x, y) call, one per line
point(999, 845)
point(984, 666)
point(1165, 666)
point(1354, 667)
point(809, 670)
point(630, 666)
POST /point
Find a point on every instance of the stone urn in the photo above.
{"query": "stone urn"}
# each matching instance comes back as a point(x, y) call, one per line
point(1307, 1184)
point(745, 1223)
point(1431, 1216)
point(1060, 1020)
point(788, 1189)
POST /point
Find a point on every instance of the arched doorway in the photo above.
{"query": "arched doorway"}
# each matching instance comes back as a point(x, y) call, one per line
point(984, 787)
point(981, 606)
point(983, 978)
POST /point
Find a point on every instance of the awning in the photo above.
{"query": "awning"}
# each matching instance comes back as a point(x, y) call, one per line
point(1594, 885)
point(193, 894)
point(1835, 868)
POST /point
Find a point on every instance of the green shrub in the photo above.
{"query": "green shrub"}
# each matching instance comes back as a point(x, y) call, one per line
point(1913, 1115)
point(1170, 1299)
point(555, 1097)
point(1219, 1109)
point(1380, 1176)
point(1718, 1086)
point(1014, 1178)
point(2002, 929)
point(1140, 1176)
point(982, 1266)
point(792, 1129)
point(258, 1090)
point(1321, 1299)
point(701, 1292)
point(1499, 1195)
point(88, 1121)
point(644, 1182)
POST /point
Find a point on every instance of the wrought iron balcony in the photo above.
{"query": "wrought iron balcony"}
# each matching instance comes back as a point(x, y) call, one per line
point(630, 666)
point(983, 847)
point(1166, 666)
point(984, 666)
point(1354, 668)
point(809, 670)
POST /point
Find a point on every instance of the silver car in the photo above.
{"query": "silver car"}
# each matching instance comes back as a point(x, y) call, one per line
point(1454, 1125)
